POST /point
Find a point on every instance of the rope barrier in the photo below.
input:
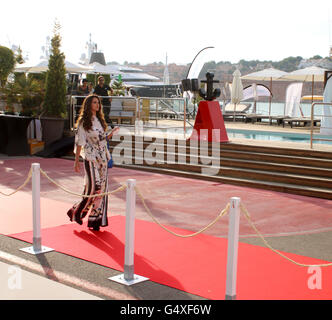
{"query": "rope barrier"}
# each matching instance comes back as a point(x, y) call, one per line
point(220, 215)
point(20, 187)
point(247, 215)
point(123, 187)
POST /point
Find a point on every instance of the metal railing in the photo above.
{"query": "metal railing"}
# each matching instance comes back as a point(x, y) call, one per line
point(312, 122)
point(156, 107)
point(167, 103)
point(73, 105)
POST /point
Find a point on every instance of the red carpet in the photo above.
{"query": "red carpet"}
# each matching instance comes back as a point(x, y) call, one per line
point(196, 265)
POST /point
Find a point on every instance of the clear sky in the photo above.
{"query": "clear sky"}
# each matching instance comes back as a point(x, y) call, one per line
point(144, 30)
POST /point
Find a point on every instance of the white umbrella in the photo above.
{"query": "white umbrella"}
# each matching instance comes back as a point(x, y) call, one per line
point(237, 90)
point(265, 75)
point(306, 74)
point(268, 74)
point(42, 66)
point(312, 74)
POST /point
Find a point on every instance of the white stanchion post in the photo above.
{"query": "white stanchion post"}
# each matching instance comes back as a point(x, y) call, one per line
point(128, 277)
point(232, 250)
point(36, 240)
point(130, 230)
point(36, 206)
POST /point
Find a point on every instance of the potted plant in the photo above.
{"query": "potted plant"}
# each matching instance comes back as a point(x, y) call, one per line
point(118, 87)
point(54, 107)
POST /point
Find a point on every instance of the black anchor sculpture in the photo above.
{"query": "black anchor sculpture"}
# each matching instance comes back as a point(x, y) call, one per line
point(209, 94)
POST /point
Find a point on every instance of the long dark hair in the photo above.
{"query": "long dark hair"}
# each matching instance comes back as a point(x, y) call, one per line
point(85, 115)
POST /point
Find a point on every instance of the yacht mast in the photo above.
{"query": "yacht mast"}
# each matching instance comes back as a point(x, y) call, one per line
point(166, 73)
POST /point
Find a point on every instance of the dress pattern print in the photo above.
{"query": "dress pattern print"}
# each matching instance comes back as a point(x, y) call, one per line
point(96, 156)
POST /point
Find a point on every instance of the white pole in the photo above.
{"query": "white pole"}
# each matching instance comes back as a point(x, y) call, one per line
point(232, 251)
point(130, 230)
point(128, 277)
point(36, 238)
point(36, 206)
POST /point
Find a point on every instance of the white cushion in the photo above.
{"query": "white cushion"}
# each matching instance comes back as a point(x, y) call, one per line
point(127, 114)
point(115, 114)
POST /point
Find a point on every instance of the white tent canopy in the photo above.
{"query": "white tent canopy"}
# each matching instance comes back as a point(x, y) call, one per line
point(268, 74)
point(42, 66)
point(255, 91)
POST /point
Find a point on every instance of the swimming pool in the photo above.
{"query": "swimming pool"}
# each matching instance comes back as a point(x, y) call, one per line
point(276, 136)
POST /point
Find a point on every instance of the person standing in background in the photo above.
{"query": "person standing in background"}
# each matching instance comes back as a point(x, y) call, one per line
point(104, 90)
point(82, 90)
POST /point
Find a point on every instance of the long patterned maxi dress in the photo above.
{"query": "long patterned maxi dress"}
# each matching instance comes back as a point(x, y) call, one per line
point(96, 155)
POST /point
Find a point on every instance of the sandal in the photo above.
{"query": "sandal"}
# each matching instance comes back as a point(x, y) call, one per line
point(94, 221)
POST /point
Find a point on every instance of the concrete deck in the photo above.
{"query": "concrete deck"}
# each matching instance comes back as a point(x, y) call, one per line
point(175, 130)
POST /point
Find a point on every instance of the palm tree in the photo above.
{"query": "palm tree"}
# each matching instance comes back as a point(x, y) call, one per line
point(27, 91)
point(31, 94)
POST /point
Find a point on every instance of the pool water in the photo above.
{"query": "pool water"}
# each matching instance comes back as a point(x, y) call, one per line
point(276, 136)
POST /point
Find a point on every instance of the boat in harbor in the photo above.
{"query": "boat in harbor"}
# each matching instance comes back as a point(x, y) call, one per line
point(144, 85)
point(140, 83)
point(156, 90)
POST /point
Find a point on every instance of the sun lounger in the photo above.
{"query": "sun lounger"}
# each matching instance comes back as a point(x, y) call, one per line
point(255, 117)
point(239, 108)
point(237, 115)
point(299, 122)
point(278, 119)
point(240, 111)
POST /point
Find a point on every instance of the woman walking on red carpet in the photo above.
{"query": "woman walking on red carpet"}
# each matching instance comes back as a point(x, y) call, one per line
point(91, 143)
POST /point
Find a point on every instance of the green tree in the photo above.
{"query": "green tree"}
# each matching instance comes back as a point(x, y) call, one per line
point(316, 57)
point(288, 64)
point(7, 64)
point(55, 88)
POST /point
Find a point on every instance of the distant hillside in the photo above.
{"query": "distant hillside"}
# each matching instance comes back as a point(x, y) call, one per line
point(223, 71)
